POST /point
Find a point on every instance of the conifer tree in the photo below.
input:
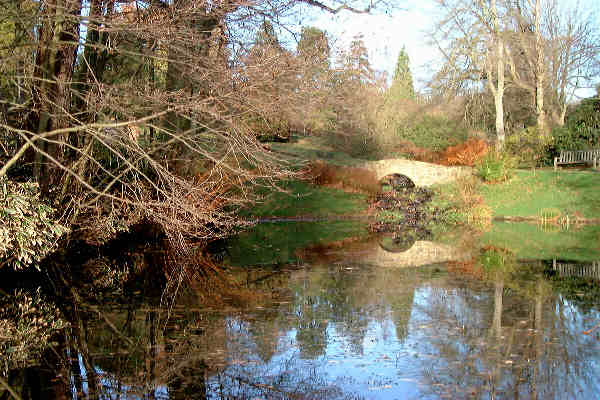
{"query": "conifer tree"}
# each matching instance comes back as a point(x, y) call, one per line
point(267, 36)
point(314, 46)
point(402, 83)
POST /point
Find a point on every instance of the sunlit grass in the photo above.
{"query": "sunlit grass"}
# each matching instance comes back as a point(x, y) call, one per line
point(534, 193)
point(301, 199)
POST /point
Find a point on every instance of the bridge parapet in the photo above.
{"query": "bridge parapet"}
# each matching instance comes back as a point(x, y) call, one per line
point(421, 173)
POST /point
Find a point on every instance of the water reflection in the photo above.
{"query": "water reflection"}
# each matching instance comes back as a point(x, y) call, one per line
point(478, 325)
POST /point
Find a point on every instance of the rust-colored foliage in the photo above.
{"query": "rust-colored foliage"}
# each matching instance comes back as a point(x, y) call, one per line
point(469, 268)
point(346, 178)
point(467, 153)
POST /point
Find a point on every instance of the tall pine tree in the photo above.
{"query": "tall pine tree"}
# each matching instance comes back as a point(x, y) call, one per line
point(266, 36)
point(402, 83)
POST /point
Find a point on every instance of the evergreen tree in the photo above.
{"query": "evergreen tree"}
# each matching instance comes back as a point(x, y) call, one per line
point(356, 63)
point(314, 47)
point(402, 83)
point(266, 36)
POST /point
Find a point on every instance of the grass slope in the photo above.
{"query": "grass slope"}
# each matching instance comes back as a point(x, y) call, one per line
point(302, 199)
point(532, 193)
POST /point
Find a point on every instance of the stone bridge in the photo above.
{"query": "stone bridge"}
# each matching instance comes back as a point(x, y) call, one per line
point(420, 173)
point(378, 251)
point(421, 253)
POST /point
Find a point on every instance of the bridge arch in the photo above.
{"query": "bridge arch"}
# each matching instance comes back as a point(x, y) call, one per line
point(395, 243)
point(397, 181)
point(422, 174)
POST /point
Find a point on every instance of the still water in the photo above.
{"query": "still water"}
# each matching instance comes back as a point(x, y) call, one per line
point(329, 312)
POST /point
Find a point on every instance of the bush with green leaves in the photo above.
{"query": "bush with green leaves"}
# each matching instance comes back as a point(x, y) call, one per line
point(529, 147)
point(581, 129)
point(28, 231)
point(433, 132)
point(496, 167)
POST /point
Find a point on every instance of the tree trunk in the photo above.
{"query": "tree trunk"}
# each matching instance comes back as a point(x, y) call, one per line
point(178, 67)
point(539, 71)
point(95, 56)
point(497, 320)
point(53, 75)
point(498, 90)
point(563, 114)
point(499, 103)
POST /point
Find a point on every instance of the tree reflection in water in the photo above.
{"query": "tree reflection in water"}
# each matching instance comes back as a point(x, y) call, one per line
point(336, 329)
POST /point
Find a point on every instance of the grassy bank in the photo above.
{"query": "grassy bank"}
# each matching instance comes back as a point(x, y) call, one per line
point(544, 198)
point(334, 191)
point(540, 195)
point(315, 148)
point(545, 193)
point(302, 199)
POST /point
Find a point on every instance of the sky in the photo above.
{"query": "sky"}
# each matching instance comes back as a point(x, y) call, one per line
point(385, 35)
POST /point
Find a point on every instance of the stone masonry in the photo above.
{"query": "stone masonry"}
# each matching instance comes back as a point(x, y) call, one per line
point(421, 173)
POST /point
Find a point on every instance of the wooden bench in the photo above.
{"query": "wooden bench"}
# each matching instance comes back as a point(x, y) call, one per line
point(578, 157)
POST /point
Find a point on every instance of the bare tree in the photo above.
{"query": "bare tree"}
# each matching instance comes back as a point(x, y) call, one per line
point(526, 55)
point(552, 49)
point(137, 110)
point(573, 54)
point(546, 50)
point(470, 36)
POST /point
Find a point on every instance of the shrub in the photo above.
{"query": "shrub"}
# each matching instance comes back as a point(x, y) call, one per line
point(408, 149)
point(27, 231)
point(269, 130)
point(582, 127)
point(495, 167)
point(467, 153)
point(530, 147)
point(433, 132)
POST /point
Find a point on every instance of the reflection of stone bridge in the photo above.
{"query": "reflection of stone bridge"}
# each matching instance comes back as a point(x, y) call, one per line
point(421, 173)
point(421, 253)
point(584, 270)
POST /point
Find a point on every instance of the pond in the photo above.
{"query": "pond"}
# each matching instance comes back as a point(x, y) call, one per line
point(329, 312)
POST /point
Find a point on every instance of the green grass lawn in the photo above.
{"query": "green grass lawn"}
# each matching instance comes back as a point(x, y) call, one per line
point(302, 199)
point(530, 194)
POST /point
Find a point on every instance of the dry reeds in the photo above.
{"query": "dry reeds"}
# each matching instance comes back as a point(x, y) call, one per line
point(477, 212)
point(466, 154)
point(345, 178)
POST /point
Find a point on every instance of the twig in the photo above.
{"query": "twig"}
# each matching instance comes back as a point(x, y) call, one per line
point(10, 390)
